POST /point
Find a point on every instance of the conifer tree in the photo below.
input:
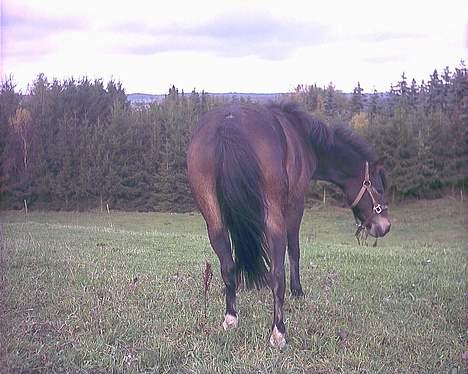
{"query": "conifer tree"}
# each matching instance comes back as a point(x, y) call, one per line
point(330, 105)
point(357, 100)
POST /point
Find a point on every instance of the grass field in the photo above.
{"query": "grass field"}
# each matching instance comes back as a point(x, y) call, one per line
point(82, 292)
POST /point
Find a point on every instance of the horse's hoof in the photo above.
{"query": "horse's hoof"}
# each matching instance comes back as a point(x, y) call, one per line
point(277, 339)
point(230, 322)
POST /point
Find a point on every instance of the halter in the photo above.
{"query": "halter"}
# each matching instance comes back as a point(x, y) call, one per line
point(377, 208)
point(367, 186)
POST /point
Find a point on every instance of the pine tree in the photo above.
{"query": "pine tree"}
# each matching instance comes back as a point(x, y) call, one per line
point(372, 109)
point(357, 99)
point(402, 93)
point(9, 102)
point(330, 105)
point(413, 95)
point(435, 100)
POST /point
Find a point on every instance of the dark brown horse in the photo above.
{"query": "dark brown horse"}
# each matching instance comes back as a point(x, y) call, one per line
point(249, 166)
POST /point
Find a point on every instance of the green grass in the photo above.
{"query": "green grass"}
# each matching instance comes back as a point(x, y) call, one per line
point(82, 293)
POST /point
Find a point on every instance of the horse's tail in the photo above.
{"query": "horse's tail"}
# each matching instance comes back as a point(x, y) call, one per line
point(239, 189)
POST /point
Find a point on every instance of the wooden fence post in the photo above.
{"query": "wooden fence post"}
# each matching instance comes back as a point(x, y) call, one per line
point(108, 214)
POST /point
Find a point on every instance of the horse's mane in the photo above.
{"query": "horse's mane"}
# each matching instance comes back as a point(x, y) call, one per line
point(325, 138)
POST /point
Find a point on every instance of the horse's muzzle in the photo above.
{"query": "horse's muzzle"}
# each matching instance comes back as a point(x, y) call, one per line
point(379, 227)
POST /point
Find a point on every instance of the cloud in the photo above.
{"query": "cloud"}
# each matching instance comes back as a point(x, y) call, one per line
point(26, 32)
point(383, 59)
point(388, 36)
point(228, 35)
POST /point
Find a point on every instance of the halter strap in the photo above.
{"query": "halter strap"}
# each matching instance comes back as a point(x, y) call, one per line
point(367, 186)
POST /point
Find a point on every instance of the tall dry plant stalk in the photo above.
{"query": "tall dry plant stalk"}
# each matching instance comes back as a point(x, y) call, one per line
point(207, 276)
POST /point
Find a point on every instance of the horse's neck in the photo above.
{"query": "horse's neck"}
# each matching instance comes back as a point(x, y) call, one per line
point(327, 172)
point(331, 169)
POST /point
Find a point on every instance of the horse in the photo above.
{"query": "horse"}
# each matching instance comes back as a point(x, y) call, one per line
point(249, 166)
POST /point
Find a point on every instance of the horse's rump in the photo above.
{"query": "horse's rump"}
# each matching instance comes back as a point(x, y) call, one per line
point(240, 194)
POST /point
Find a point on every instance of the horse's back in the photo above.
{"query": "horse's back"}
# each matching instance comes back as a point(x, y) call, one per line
point(254, 123)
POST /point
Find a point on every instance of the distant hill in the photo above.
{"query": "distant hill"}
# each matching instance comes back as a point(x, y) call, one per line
point(142, 98)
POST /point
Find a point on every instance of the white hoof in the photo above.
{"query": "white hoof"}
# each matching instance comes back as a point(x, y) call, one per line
point(230, 322)
point(277, 339)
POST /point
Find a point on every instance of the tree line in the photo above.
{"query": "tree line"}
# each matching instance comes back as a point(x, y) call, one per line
point(80, 144)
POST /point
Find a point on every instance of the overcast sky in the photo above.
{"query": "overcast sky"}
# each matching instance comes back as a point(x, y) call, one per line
point(227, 46)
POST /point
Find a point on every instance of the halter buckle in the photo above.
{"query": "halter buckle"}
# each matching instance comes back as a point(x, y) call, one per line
point(378, 209)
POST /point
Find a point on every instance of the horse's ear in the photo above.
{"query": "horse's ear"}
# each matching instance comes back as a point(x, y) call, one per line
point(379, 169)
point(379, 165)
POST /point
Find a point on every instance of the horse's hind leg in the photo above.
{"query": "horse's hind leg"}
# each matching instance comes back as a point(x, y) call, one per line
point(219, 240)
point(276, 233)
point(294, 218)
point(201, 165)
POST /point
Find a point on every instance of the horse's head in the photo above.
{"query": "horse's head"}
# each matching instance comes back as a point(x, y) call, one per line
point(365, 194)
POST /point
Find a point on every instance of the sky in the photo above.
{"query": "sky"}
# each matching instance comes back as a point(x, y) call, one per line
point(231, 46)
